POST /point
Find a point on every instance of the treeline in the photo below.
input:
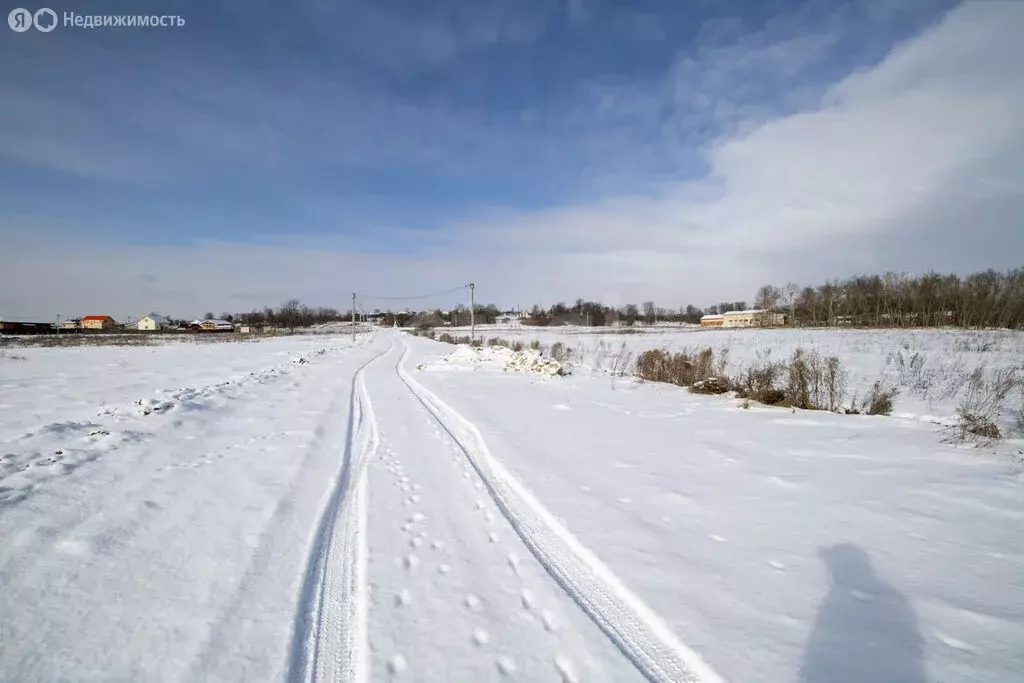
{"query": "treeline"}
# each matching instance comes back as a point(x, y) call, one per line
point(986, 299)
point(291, 314)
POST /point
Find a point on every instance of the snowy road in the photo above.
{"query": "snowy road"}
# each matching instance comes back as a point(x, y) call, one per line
point(350, 517)
point(468, 576)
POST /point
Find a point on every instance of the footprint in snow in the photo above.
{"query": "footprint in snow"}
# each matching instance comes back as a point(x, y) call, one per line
point(404, 598)
point(437, 545)
point(481, 637)
point(775, 564)
point(417, 517)
point(415, 542)
point(411, 562)
point(565, 670)
point(719, 539)
point(548, 619)
point(513, 561)
point(506, 666)
point(472, 602)
point(444, 569)
point(397, 664)
point(492, 536)
point(527, 597)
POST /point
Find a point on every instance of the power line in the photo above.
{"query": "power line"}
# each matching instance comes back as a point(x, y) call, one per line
point(407, 298)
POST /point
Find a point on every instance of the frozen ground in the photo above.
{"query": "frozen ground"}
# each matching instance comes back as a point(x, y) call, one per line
point(355, 517)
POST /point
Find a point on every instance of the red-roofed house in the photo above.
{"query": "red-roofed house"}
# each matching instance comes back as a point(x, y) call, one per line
point(98, 322)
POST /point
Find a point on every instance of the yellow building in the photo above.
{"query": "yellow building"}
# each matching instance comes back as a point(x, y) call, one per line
point(712, 320)
point(97, 322)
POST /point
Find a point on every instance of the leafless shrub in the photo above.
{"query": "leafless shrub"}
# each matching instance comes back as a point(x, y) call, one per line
point(517, 346)
point(476, 343)
point(682, 369)
point(815, 383)
point(464, 339)
point(446, 338)
point(910, 371)
point(560, 352)
point(495, 341)
point(761, 381)
point(967, 343)
point(622, 362)
point(535, 345)
point(983, 404)
point(879, 400)
point(722, 363)
point(7, 355)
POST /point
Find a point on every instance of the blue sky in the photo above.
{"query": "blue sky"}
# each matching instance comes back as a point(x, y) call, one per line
point(546, 150)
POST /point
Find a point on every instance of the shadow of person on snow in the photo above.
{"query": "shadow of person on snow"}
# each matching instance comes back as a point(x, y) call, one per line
point(866, 631)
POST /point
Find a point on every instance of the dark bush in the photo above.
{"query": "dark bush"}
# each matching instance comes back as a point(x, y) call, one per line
point(880, 400)
point(682, 369)
point(711, 385)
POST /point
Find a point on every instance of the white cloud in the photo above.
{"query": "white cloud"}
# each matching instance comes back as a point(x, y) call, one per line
point(911, 164)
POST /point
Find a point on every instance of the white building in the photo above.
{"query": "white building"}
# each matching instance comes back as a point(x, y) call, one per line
point(152, 323)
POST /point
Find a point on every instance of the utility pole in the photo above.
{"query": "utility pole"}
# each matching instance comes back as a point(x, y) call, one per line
point(353, 317)
point(472, 312)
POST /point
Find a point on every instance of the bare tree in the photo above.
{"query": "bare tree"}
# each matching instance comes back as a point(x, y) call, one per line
point(649, 312)
point(767, 299)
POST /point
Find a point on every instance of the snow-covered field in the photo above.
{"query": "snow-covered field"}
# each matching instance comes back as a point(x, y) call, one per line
point(306, 509)
point(930, 387)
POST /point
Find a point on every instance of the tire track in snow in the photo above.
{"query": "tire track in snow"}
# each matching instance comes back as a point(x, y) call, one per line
point(329, 640)
point(636, 629)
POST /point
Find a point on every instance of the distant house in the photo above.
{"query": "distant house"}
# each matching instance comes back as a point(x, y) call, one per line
point(244, 329)
point(24, 327)
point(152, 323)
point(71, 325)
point(98, 322)
point(712, 320)
point(216, 326)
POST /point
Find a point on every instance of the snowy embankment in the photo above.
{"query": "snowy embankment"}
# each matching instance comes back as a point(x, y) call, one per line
point(930, 367)
point(165, 540)
point(780, 545)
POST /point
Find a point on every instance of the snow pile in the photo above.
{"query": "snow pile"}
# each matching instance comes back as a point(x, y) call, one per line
point(466, 357)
